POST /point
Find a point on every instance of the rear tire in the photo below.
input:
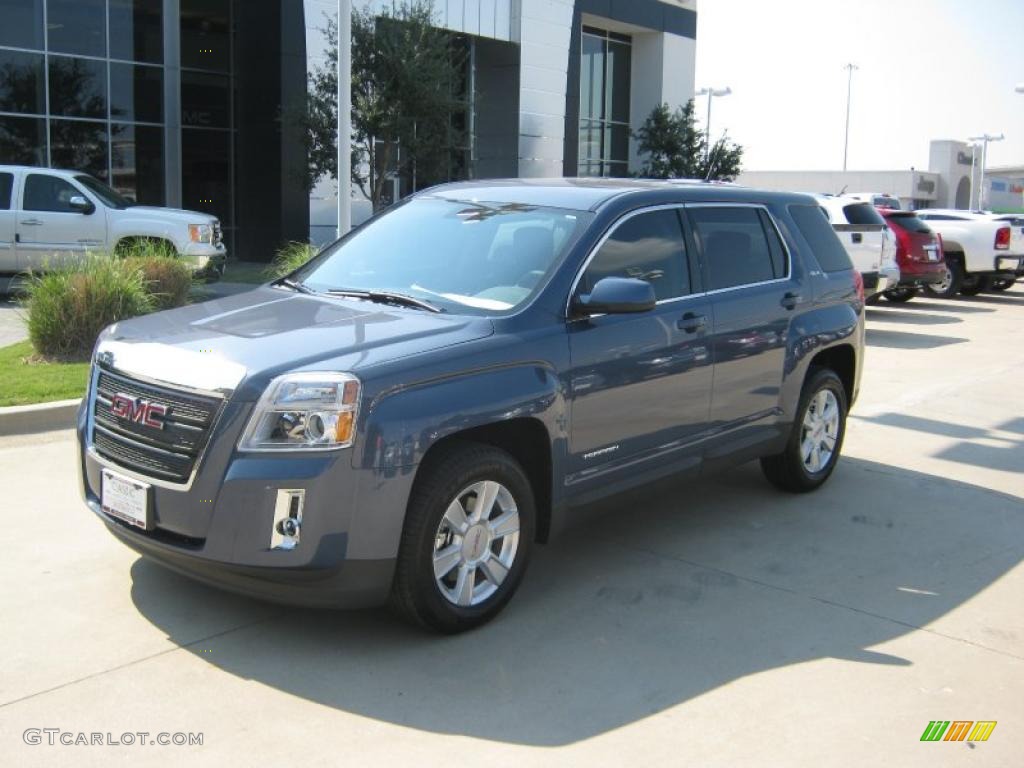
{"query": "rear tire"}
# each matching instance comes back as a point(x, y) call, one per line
point(971, 285)
point(481, 555)
point(819, 427)
point(900, 294)
point(950, 286)
point(999, 284)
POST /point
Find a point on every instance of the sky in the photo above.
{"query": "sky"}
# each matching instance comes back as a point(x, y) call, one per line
point(929, 69)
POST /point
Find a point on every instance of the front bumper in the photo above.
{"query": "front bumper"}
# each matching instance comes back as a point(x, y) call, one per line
point(217, 529)
point(205, 259)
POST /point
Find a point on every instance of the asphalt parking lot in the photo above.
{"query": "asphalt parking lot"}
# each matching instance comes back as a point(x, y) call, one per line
point(716, 623)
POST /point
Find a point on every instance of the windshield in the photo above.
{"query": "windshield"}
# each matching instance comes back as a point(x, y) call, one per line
point(110, 198)
point(461, 256)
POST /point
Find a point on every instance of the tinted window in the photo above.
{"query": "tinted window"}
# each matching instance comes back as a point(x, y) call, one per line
point(79, 145)
point(136, 30)
point(648, 247)
point(735, 245)
point(910, 222)
point(77, 26)
point(829, 252)
point(775, 247)
point(862, 213)
point(78, 87)
point(137, 157)
point(205, 100)
point(22, 25)
point(22, 83)
point(48, 193)
point(22, 141)
point(939, 217)
point(136, 93)
point(205, 34)
point(6, 184)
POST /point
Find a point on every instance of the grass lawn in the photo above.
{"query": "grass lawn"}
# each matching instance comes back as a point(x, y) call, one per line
point(24, 383)
point(245, 272)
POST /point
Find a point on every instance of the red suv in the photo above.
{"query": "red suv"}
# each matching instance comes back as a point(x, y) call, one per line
point(918, 254)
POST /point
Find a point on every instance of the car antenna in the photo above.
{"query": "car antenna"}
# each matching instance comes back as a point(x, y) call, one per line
point(842, 191)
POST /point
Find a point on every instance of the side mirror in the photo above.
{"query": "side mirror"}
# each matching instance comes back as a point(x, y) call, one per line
point(617, 296)
point(80, 204)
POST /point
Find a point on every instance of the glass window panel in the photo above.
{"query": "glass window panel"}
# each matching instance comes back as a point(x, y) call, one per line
point(77, 26)
point(617, 100)
point(136, 93)
point(22, 25)
point(617, 143)
point(645, 247)
point(136, 30)
point(205, 34)
point(205, 100)
point(22, 141)
point(735, 247)
point(78, 87)
point(22, 83)
point(6, 186)
point(79, 145)
point(592, 78)
point(48, 193)
point(206, 172)
point(617, 170)
point(137, 159)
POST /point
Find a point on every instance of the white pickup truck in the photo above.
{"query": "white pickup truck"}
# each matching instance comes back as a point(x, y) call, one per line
point(982, 250)
point(866, 238)
point(48, 216)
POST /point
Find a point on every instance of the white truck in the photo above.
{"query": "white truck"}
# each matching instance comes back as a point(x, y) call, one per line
point(866, 238)
point(983, 250)
point(48, 216)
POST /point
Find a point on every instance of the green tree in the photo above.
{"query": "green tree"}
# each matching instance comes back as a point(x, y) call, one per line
point(676, 149)
point(405, 77)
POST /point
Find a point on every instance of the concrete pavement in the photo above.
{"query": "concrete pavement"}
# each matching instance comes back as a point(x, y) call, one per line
point(711, 623)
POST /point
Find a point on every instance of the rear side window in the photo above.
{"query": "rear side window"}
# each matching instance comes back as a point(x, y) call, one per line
point(829, 252)
point(736, 247)
point(863, 213)
point(48, 193)
point(910, 223)
point(6, 185)
point(649, 247)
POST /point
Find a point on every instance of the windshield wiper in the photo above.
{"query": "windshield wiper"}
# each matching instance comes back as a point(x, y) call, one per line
point(385, 297)
point(294, 285)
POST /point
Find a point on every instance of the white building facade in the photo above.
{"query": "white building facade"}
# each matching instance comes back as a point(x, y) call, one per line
point(558, 86)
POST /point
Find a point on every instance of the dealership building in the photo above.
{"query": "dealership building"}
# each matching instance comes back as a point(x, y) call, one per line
point(185, 102)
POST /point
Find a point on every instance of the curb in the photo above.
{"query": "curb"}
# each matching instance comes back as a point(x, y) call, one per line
point(41, 417)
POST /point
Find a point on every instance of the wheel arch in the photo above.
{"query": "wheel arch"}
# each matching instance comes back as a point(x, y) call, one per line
point(842, 360)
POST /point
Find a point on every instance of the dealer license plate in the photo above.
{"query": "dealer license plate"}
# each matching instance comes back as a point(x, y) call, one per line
point(125, 499)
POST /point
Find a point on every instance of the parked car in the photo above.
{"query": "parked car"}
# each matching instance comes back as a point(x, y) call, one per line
point(918, 254)
point(49, 215)
point(866, 238)
point(1016, 221)
point(877, 199)
point(406, 415)
point(978, 248)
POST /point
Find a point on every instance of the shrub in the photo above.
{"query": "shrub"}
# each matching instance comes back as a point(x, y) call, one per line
point(166, 278)
point(290, 257)
point(69, 306)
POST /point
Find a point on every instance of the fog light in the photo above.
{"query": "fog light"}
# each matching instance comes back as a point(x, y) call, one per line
point(287, 518)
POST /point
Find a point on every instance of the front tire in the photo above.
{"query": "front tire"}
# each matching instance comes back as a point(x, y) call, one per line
point(466, 542)
point(950, 285)
point(817, 438)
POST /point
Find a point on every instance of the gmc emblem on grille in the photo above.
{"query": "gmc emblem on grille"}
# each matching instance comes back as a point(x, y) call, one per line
point(144, 412)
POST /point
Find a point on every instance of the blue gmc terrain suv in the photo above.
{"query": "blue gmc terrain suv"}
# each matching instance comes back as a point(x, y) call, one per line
point(402, 418)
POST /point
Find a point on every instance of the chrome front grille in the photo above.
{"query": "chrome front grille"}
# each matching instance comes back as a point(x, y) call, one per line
point(169, 453)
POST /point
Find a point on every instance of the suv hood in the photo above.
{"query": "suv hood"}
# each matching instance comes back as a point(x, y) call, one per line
point(263, 333)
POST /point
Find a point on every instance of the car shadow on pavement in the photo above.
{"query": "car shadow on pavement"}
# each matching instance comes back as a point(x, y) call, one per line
point(648, 601)
point(878, 337)
point(914, 318)
point(935, 305)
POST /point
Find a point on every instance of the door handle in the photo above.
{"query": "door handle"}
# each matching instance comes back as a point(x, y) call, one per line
point(791, 299)
point(31, 223)
point(691, 322)
point(857, 237)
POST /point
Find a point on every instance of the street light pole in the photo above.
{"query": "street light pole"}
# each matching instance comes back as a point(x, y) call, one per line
point(711, 93)
point(849, 90)
point(985, 139)
point(344, 117)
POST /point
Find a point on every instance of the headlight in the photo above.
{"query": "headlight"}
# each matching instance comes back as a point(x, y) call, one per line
point(200, 233)
point(304, 412)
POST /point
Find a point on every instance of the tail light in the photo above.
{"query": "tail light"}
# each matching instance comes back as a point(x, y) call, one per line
point(903, 248)
point(1003, 239)
point(942, 246)
point(858, 283)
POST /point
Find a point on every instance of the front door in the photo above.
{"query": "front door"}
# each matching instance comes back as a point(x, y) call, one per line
point(640, 384)
point(754, 295)
point(49, 230)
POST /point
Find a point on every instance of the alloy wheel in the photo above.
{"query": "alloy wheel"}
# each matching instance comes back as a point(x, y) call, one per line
point(820, 431)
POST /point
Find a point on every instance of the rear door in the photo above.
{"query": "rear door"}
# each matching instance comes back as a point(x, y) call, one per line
point(754, 295)
point(49, 230)
point(8, 257)
point(640, 383)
